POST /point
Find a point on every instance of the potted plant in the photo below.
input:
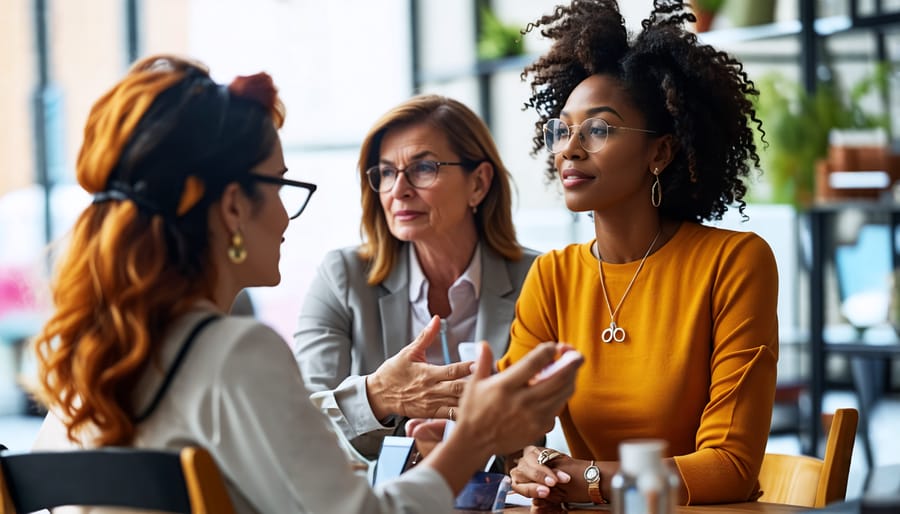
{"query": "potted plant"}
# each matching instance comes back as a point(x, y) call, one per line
point(797, 125)
point(747, 13)
point(498, 39)
point(705, 11)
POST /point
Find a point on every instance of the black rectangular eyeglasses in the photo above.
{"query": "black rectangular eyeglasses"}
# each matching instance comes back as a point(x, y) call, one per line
point(294, 194)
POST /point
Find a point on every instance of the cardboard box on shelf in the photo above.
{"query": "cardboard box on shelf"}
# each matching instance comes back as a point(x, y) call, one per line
point(859, 166)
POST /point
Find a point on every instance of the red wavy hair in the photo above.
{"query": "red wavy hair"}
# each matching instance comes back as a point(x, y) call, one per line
point(116, 290)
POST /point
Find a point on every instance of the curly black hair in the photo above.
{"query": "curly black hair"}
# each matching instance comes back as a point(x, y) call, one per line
point(699, 95)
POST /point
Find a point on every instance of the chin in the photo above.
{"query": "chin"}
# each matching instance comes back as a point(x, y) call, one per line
point(404, 235)
point(576, 206)
point(267, 281)
point(273, 281)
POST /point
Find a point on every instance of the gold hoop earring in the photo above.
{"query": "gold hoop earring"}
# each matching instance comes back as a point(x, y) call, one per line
point(656, 190)
point(237, 252)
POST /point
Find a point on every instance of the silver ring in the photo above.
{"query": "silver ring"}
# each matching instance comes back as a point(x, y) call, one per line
point(451, 414)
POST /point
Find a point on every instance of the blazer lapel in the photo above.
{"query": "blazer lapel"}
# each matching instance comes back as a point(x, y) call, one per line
point(495, 307)
point(393, 307)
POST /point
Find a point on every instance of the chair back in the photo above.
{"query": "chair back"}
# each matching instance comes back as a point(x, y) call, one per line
point(186, 481)
point(809, 481)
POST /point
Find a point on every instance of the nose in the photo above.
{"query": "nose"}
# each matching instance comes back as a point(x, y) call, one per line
point(573, 149)
point(401, 188)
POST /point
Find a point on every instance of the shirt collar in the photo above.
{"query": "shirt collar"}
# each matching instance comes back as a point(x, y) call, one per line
point(418, 283)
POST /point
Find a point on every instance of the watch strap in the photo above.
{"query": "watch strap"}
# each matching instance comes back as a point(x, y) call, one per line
point(594, 486)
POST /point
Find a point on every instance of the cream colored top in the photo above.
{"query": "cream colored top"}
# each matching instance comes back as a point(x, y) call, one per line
point(239, 394)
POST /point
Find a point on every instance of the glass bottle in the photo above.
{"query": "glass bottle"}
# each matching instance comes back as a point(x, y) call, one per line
point(643, 484)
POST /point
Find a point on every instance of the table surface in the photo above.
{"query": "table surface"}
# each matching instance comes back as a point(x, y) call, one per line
point(731, 508)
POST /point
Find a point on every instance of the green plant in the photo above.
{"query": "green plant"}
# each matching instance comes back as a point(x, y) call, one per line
point(498, 39)
point(797, 124)
point(709, 5)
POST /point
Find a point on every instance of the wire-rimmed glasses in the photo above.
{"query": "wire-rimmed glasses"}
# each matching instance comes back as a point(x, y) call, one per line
point(294, 194)
point(592, 134)
point(420, 174)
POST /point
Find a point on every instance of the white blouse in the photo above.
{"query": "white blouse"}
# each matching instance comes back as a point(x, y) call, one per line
point(239, 394)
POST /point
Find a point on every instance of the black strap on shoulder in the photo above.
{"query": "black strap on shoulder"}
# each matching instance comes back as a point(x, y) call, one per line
point(167, 381)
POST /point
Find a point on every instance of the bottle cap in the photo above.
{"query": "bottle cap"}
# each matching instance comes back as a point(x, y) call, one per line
point(638, 455)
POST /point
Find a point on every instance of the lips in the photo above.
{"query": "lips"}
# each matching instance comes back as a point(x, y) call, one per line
point(573, 178)
point(406, 215)
point(573, 173)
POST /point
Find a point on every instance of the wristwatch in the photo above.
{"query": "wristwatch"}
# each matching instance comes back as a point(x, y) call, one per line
point(592, 477)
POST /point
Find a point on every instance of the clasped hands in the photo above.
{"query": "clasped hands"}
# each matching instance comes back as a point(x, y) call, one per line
point(549, 477)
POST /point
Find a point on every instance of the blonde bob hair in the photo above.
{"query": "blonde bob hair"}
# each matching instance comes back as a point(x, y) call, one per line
point(470, 138)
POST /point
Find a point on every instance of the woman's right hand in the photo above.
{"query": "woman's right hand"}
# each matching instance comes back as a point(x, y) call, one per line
point(504, 412)
point(407, 385)
point(513, 408)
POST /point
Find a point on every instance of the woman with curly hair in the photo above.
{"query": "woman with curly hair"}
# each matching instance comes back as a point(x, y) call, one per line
point(652, 134)
point(191, 204)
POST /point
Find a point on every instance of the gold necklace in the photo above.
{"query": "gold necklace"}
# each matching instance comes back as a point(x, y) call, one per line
point(615, 332)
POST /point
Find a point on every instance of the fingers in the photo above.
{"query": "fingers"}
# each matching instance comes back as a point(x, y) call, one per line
point(428, 433)
point(524, 370)
point(425, 337)
point(428, 429)
point(456, 370)
point(536, 480)
point(484, 365)
point(412, 424)
point(529, 488)
point(558, 386)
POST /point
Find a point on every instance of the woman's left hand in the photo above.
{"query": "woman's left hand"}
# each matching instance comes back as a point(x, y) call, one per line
point(428, 433)
point(552, 481)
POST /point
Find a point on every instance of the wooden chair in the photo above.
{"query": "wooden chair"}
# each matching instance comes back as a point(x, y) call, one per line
point(186, 481)
point(808, 481)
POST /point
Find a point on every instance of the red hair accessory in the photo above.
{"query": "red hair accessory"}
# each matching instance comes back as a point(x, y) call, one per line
point(260, 88)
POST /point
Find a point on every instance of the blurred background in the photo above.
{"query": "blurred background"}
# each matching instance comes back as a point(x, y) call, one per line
point(819, 64)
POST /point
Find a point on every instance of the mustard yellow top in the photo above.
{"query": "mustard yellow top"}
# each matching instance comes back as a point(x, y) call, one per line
point(697, 367)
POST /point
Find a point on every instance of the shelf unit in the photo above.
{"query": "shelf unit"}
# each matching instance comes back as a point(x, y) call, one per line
point(808, 28)
point(821, 221)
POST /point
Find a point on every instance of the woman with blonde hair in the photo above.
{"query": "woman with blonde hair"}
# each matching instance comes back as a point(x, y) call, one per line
point(191, 204)
point(438, 240)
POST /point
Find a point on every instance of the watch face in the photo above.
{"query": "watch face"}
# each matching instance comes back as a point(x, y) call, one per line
point(592, 473)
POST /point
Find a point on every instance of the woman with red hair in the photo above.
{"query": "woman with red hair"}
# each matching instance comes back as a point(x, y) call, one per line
point(186, 176)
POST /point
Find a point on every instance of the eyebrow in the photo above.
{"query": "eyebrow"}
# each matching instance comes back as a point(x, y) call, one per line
point(281, 172)
point(416, 157)
point(593, 111)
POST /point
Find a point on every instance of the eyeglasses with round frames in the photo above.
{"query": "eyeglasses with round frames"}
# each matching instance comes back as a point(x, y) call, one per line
point(420, 174)
point(294, 194)
point(592, 134)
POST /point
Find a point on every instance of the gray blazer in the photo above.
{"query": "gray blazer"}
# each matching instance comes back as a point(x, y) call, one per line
point(348, 328)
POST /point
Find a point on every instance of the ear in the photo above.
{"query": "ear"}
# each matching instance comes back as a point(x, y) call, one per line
point(482, 176)
point(234, 207)
point(663, 152)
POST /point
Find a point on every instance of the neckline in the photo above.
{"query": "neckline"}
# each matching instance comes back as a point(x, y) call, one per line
point(591, 258)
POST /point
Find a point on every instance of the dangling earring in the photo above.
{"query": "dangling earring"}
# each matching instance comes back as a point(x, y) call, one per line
point(474, 209)
point(656, 190)
point(237, 252)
